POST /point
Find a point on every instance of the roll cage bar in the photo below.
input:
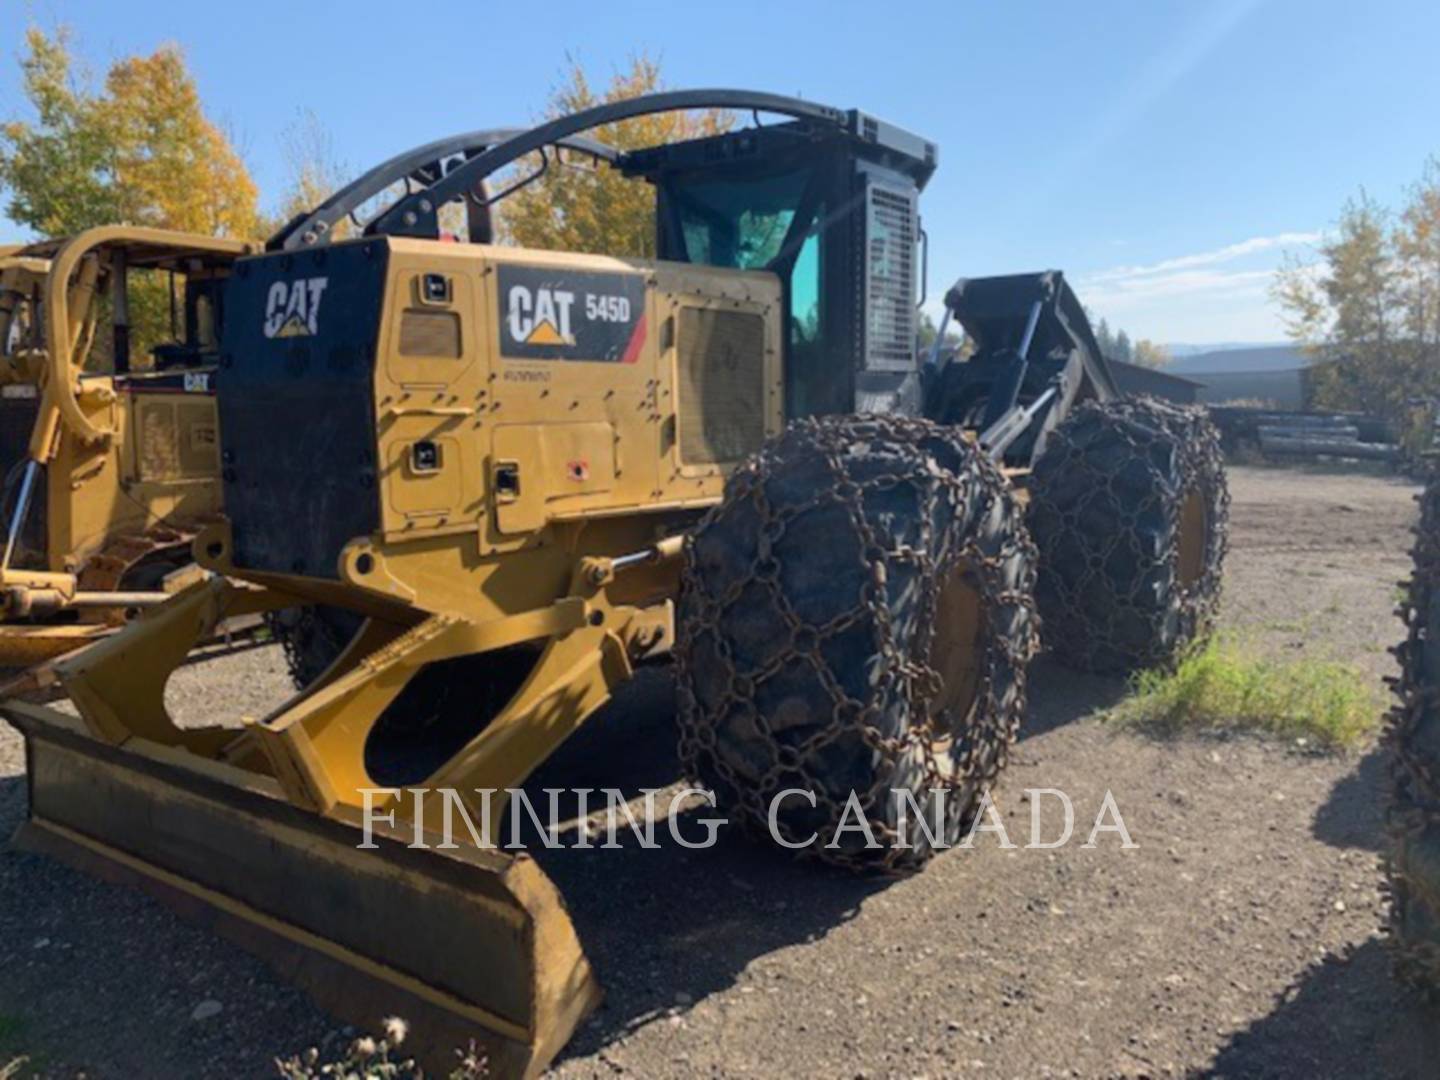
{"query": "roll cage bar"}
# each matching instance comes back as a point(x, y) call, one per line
point(416, 213)
point(423, 164)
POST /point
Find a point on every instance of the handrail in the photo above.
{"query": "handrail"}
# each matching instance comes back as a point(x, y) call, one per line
point(315, 225)
point(414, 214)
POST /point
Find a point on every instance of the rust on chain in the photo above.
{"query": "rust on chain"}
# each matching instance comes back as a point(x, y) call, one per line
point(1117, 563)
point(1413, 814)
point(967, 516)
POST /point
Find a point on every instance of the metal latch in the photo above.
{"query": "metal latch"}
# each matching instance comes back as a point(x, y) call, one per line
point(507, 481)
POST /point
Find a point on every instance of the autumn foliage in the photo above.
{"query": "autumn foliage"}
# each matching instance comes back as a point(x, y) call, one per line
point(138, 151)
point(1368, 310)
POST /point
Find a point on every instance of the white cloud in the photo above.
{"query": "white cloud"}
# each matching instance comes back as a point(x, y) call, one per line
point(1209, 296)
point(1229, 253)
point(1200, 296)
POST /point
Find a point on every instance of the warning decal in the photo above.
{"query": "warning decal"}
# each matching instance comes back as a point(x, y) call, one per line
point(551, 314)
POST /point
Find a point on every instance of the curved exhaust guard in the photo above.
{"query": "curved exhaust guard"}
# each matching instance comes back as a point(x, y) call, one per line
point(465, 944)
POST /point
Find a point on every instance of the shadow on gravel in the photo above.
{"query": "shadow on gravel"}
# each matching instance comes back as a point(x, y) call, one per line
point(667, 926)
point(1060, 695)
point(1354, 814)
point(1343, 1017)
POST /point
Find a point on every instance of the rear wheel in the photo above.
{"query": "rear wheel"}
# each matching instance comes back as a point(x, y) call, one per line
point(1129, 508)
point(1414, 735)
point(855, 622)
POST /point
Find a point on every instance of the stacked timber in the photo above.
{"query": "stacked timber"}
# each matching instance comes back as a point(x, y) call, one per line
point(1319, 435)
point(1306, 435)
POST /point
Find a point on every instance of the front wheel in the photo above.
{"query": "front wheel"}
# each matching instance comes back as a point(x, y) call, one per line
point(1130, 509)
point(855, 624)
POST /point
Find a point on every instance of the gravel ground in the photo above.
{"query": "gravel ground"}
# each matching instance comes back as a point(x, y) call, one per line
point(1240, 938)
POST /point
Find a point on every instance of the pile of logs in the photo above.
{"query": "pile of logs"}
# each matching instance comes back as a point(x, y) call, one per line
point(1307, 435)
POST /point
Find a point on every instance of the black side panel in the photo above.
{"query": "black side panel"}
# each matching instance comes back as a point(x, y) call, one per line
point(296, 398)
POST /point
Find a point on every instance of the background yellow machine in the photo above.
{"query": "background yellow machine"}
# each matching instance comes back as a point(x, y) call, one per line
point(110, 458)
point(524, 473)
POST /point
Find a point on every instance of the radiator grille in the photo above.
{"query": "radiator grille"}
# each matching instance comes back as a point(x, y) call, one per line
point(722, 385)
point(176, 440)
point(890, 239)
point(430, 333)
point(199, 441)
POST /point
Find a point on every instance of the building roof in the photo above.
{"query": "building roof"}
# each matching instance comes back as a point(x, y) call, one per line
point(1122, 370)
point(1252, 358)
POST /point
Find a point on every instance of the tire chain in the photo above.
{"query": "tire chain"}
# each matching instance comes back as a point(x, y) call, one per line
point(979, 752)
point(1148, 429)
point(300, 630)
point(1413, 815)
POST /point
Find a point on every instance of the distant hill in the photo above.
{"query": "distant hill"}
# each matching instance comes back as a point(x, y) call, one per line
point(1246, 358)
point(1178, 350)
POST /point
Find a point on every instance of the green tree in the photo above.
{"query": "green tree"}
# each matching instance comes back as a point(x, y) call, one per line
point(1104, 338)
point(1417, 246)
point(138, 151)
point(1122, 349)
point(57, 170)
point(313, 172)
point(1148, 354)
point(1361, 310)
point(927, 331)
point(576, 207)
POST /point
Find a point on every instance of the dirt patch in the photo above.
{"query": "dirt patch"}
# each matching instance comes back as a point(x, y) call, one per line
point(1240, 938)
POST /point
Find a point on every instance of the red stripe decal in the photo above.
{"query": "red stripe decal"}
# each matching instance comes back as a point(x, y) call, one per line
point(637, 342)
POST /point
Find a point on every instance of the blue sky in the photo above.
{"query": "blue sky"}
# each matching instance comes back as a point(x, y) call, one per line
point(1164, 154)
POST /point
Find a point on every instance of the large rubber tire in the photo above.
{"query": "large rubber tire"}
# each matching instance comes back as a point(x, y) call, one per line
point(1414, 738)
point(1130, 510)
point(852, 562)
point(312, 638)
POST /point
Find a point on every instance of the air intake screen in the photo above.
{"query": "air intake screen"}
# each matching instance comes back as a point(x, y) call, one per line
point(176, 440)
point(199, 441)
point(430, 333)
point(722, 385)
point(890, 236)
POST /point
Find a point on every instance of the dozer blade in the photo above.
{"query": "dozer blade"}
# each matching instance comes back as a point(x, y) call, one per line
point(466, 944)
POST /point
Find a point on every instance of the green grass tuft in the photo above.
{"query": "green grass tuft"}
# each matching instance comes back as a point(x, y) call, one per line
point(1222, 686)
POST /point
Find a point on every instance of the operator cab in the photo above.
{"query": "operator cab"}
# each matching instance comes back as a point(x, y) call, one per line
point(832, 210)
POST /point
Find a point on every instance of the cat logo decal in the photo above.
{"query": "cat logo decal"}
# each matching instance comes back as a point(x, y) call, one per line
point(292, 308)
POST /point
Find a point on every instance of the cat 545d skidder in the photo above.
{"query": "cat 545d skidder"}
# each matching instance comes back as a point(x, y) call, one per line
point(531, 471)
